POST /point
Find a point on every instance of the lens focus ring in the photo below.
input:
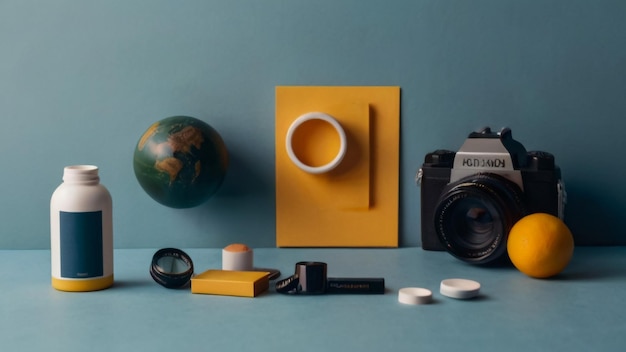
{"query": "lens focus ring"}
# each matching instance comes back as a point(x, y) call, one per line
point(475, 214)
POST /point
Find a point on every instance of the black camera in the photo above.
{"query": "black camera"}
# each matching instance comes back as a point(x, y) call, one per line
point(470, 199)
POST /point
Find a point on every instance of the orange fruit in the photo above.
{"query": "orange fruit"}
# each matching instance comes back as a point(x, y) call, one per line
point(540, 245)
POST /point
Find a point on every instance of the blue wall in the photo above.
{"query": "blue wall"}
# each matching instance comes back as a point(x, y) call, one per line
point(81, 80)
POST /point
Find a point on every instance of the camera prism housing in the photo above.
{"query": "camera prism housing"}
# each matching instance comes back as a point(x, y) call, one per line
point(470, 199)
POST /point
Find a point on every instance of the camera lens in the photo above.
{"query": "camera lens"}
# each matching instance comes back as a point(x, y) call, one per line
point(475, 214)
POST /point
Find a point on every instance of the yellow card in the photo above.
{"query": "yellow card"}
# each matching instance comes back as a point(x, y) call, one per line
point(356, 203)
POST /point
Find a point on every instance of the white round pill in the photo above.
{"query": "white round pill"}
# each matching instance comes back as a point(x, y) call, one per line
point(414, 295)
point(459, 288)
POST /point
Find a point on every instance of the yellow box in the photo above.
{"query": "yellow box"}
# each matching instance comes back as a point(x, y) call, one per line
point(230, 283)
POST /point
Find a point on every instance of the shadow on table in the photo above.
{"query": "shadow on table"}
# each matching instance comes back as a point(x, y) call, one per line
point(595, 263)
point(125, 284)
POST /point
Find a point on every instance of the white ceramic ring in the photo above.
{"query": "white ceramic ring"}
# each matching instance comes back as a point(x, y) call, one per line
point(342, 142)
point(414, 295)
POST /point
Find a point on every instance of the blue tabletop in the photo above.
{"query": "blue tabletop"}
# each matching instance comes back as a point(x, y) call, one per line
point(580, 310)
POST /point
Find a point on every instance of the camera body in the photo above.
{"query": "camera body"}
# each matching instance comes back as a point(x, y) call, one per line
point(470, 199)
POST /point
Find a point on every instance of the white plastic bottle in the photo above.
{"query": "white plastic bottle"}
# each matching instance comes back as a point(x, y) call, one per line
point(81, 232)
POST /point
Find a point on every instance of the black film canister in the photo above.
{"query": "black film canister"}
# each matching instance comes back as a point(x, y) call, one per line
point(312, 277)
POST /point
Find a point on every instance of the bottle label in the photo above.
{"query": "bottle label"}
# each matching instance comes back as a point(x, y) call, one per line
point(81, 244)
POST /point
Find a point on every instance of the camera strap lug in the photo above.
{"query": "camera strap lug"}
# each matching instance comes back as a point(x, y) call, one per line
point(418, 177)
point(562, 198)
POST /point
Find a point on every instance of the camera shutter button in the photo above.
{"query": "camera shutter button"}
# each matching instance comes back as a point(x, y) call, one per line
point(541, 160)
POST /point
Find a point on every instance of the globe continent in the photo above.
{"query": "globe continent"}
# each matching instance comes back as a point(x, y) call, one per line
point(180, 161)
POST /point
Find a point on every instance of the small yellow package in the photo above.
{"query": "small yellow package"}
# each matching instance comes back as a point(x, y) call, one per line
point(230, 283)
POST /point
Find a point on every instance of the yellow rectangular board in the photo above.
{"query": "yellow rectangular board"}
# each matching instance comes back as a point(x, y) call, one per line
point(230, 283)
point(356, 204)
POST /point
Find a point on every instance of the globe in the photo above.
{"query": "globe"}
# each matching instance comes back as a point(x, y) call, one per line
point(180, 161)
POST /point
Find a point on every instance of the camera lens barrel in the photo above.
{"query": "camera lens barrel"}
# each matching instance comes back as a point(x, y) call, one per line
point(475, 214)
